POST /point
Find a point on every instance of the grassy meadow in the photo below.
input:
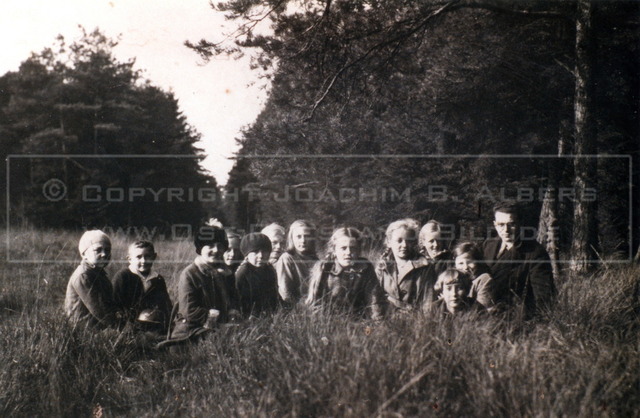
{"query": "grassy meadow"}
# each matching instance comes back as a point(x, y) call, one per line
point(584, 360)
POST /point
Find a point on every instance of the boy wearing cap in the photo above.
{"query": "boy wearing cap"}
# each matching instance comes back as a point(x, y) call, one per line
point(256, 279)
point(202, 294)
point(141, 293)
point(89, 300)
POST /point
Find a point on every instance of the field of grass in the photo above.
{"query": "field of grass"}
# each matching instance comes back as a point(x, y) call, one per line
point(583, 361)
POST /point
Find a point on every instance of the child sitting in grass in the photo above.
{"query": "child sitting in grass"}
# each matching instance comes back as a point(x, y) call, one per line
point(346, 281)
point(454, 286)
point(256, 280)
point(469, 259)
point(295, 264)
point(202, 296)
point(140, 293)
point(89, 298)
point(400, 270)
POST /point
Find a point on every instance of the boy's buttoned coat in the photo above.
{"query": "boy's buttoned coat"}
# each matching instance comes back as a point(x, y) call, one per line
point(133, 294)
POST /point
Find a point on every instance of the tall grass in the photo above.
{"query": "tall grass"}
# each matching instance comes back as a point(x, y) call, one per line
point(582, 361)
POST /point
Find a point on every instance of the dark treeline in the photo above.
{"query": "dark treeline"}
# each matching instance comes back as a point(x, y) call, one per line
point(78, 99)
point(365, 79)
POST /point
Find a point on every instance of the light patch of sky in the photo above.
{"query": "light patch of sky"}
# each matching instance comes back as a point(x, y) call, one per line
point(218, 98)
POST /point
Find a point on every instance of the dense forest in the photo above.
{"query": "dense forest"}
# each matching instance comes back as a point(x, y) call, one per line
point(438, 109)
point(377, 110)
point(93, 144)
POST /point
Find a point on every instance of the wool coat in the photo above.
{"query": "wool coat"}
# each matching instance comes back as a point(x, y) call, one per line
point(354, 290)
point(133, 294)
point(89, 298)
point(257, 288)
point(201, 287)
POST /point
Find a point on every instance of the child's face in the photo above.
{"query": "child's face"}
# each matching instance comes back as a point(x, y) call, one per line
point(464, 262)
point(302, 239)
point(454, 296)
point(213, 253)
point(233, 253)
point(431, 242)
point(346, 251)
point(400, 243)
point(277, 245)
point(141, 260)
point(98, 254)
point(258, 258)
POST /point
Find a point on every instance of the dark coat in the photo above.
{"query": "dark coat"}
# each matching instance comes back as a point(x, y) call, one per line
point(133, 295)
point(257, 288)
point(200, 288)
point(521, 274)
point(355, 289)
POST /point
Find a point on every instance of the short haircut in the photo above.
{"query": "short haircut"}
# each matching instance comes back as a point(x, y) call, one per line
point(300, 223)
point(430, 227)
point(470, 248)
point(510, 207)
point(142, 244)
point(452, 276)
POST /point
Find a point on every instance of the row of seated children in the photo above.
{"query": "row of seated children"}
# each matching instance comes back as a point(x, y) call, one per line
point(136, 292)
point(137, 295)
point(209, 291)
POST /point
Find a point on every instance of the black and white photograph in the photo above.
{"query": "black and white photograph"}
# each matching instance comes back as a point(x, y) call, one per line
point(322, 208)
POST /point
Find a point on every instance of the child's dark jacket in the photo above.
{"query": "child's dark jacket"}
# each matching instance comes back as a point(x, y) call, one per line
point(133, 294)
point(257, 289)
point(89, 300)
point(201, 287)
point(354, 289)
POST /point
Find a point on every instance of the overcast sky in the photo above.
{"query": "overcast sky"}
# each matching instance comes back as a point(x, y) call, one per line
point(218, 98)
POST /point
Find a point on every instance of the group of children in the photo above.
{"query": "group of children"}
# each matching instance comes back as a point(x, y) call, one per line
point(234, 277)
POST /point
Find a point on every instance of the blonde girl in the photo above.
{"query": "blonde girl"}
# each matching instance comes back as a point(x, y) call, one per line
point(276, 234)
point(431, 243)
point(295, 263)
point(345, 280)
point(401, 269)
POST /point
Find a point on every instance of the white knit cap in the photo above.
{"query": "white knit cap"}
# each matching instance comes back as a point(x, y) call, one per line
point(92, 237)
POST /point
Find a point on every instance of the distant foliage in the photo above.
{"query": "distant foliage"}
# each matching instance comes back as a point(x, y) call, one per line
point(78, 99)
point(430, 78)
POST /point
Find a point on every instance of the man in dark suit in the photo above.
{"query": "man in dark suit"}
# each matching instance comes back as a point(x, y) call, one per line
point(520, 267)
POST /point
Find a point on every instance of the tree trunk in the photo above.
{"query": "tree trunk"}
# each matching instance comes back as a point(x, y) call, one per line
point(549, 225)
point(584, 240)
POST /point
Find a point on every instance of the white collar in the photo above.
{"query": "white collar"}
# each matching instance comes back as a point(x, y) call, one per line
point(151, 275)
